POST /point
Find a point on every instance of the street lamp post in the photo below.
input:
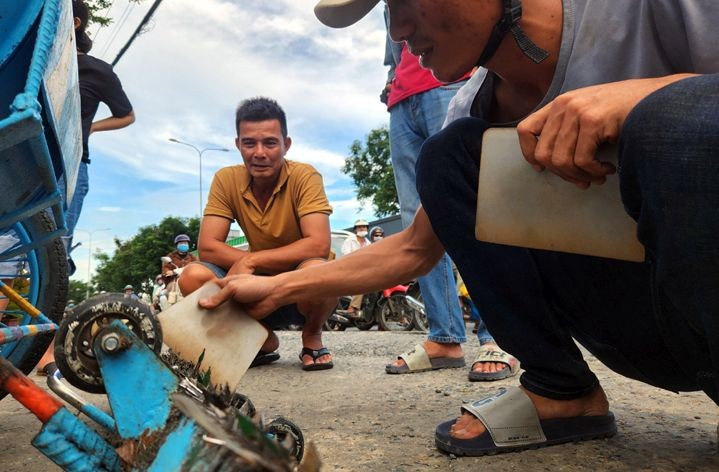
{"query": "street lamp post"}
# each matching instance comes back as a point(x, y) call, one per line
point(199, 154)
point(89, 254)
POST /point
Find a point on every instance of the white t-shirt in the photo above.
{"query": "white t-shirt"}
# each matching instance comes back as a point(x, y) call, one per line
point(612, 40)
point(351, 244)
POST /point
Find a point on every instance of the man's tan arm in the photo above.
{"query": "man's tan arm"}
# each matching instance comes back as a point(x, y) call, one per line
point(211, 242)
point(315, 243)
point(212, 248)
point(393, 260)
point(564, 135)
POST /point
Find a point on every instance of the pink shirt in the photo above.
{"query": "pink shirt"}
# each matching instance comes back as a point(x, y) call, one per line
point(411, 78)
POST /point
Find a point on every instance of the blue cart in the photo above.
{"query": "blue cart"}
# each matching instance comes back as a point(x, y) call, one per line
point(40, 151)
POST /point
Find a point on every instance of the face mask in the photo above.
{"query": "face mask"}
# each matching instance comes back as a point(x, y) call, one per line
point(376, 238)
point(362, 233)
point(183, 247)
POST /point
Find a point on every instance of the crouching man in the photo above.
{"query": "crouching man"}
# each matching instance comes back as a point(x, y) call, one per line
point(282, 208)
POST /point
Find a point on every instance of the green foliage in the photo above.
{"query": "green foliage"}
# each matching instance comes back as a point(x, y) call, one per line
point(98, 10)
point(370, 167)
point(78, 290)
point(137, 260)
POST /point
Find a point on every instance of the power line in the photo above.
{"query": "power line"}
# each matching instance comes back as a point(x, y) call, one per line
point(105, 14)
point(121, 22)
point(138, 30)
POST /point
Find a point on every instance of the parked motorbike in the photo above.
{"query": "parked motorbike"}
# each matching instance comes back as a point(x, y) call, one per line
point(393, 309)
point(414, 297)
point(339, 319)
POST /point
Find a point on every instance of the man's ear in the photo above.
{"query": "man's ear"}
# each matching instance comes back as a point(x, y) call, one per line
point(77, 22)
point(288, 143)
point(237, 143)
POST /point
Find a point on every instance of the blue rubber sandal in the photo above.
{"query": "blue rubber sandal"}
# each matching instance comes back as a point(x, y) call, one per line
point(263, 358)
point(315, 354)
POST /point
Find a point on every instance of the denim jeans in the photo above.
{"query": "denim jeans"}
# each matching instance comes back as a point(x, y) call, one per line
point(656, 322)
point(82, 186)
point(411, 122)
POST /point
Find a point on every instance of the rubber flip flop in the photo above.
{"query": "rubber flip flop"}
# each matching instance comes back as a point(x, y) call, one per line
point(315, 354)
point(513, 425)
point(263, 358)
point(417, 360)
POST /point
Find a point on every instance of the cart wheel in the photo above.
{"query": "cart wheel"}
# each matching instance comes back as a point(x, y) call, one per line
point(285, 431)
point(243, 404)
point(75, 337)
point(44, 282)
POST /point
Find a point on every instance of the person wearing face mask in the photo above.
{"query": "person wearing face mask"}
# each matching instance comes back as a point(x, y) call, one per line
point(376, 234)
point(351, 244)
point(180, 257)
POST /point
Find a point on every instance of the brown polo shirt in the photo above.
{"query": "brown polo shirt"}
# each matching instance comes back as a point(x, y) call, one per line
point(299, 192)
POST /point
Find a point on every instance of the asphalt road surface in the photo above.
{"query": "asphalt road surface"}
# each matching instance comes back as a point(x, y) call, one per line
point(362, 419)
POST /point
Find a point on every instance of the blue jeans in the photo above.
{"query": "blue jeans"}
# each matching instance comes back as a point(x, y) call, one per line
point(411, 122)
point(82, 186)
point(657, 321)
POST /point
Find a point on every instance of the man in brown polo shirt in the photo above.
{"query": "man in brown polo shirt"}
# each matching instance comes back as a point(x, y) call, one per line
point(282, 208)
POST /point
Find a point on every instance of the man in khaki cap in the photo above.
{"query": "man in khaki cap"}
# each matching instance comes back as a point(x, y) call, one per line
point(570, 75)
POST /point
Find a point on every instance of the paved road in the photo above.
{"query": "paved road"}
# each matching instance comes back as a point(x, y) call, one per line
point(364, 420)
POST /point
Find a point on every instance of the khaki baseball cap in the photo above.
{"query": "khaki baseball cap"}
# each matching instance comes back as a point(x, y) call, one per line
point(343, 13)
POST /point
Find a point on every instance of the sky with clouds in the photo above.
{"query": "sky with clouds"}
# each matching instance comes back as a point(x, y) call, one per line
point(185, 76)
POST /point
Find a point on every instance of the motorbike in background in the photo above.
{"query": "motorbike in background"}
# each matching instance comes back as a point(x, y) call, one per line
point(414, 297)
point(339, 320)
point(393, 309)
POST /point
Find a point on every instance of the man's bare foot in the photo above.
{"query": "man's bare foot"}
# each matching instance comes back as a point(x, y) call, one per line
point(314, 341)
point(434, 350)
point(595, 403)
point(490, 367)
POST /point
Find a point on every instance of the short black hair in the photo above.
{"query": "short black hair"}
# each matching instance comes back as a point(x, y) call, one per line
point(81, 11)
point(260, 109)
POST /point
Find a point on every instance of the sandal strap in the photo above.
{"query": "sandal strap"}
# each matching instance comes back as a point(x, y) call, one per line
point(314, 353)
point(495, 354)
point(510, 418)
point(416, 359)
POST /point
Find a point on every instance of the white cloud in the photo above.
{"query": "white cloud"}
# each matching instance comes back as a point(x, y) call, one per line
point(186, 75)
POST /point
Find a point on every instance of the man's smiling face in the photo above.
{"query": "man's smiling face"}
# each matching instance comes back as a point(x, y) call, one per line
point(263, 148)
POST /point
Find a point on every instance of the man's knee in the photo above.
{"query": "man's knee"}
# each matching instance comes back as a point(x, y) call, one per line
point(680, 117)
point(193, 277)
point(320, 307)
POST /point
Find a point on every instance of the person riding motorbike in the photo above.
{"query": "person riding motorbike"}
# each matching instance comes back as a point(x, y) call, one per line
point(171, 269)
point(159, 294)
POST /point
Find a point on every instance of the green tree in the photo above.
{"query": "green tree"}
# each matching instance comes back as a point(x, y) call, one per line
point(370, 167)
point(137, 260)
point(99, 9)
point(78, 290)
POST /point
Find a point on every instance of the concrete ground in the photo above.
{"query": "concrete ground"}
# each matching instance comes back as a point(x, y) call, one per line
point(362, 419)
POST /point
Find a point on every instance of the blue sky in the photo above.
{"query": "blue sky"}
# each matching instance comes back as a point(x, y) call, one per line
point(186, 75)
